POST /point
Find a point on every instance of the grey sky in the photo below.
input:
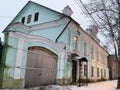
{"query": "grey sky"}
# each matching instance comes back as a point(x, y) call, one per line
point(10, 8)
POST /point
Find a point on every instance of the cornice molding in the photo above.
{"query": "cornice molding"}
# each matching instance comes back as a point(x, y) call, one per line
point(29, 38)
point(54, 23)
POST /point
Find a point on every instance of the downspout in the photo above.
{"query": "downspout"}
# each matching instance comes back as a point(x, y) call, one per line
point(3, 59)
point(63, 30)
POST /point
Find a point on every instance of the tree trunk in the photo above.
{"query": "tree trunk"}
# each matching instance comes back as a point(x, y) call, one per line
point(118, 84)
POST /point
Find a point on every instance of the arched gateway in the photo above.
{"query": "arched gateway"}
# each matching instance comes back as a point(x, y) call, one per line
point(41, 67)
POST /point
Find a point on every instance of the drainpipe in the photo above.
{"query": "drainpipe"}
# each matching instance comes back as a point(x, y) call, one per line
point(3, 59)
point(63, 30)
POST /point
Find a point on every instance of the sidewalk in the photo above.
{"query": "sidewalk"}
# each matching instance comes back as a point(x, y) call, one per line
point(106, 85)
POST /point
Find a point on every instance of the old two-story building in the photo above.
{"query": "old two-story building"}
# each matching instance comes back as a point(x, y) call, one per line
point(40, 46)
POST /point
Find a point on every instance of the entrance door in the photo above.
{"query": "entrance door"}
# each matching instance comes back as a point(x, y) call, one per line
point(74, 71)
point(41, 67)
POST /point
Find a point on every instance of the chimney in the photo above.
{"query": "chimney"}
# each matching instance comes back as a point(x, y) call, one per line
point(67, 11)
point(93, 31)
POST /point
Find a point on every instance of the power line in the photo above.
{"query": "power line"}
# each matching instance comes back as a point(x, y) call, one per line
point(6, 17)
point(78, 4)
point(91, 16)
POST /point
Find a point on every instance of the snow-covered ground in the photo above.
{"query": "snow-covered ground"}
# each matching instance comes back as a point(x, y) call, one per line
point(106, 85)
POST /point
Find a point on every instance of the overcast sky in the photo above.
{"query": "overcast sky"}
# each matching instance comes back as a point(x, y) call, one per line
point(10, 8)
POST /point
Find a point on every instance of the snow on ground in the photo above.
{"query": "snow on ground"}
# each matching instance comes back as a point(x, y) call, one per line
point(106, 85)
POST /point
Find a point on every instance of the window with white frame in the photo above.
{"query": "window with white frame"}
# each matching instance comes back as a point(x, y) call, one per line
point(97, 72)
point(36, 16)
point(92, 53)
point(29, 18)
point(85, 48)
point(97, 55)
point(85, 70)
point(92, 71)
point(75, 42)
point(104, 73)
point(101, 73)
point(23, 20)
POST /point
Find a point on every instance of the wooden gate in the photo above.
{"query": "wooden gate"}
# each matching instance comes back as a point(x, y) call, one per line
point(41, 67)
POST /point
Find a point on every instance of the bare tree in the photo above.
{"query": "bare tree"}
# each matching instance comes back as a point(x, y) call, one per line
point(106, 14)
point(118, 4)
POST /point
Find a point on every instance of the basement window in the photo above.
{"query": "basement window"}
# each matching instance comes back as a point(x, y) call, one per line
point(23, 20)
point(36, 16)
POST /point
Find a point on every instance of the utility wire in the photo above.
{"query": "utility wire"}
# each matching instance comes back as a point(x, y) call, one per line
point(6, 17)
point(91, 17)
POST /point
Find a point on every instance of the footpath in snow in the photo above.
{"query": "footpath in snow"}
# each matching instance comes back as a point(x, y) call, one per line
point(106, 85)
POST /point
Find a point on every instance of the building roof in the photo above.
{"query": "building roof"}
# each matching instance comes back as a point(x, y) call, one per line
point(58, 13)
point(42, 6)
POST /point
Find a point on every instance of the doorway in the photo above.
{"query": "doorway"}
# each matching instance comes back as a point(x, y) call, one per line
point(74, 71)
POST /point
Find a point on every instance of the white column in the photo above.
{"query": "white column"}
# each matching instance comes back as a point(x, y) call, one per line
point(18, 59)
point(61, 66)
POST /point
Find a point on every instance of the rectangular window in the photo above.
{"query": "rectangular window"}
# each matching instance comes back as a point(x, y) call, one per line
point(69, 37)
point(85, 48)
point(97, 55)
point(104, 73)
point(101, 73)
point(36, 16)
point(23, 20)
point(75, 42)
point(100, 57)
point(92, 71)
point(103, 59)
point(97, 72)
point(85, 70)
point(29, 18)
point(81, 45)
point(92, 53)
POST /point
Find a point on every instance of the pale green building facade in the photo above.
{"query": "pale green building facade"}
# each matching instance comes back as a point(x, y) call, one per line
point(38, 46)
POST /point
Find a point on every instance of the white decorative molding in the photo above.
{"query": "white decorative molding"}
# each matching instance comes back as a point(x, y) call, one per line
point(22, 38)
point(21, 25)
point(29, 38)
point(49, 24)
point(61, 66)
point(18, 59)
